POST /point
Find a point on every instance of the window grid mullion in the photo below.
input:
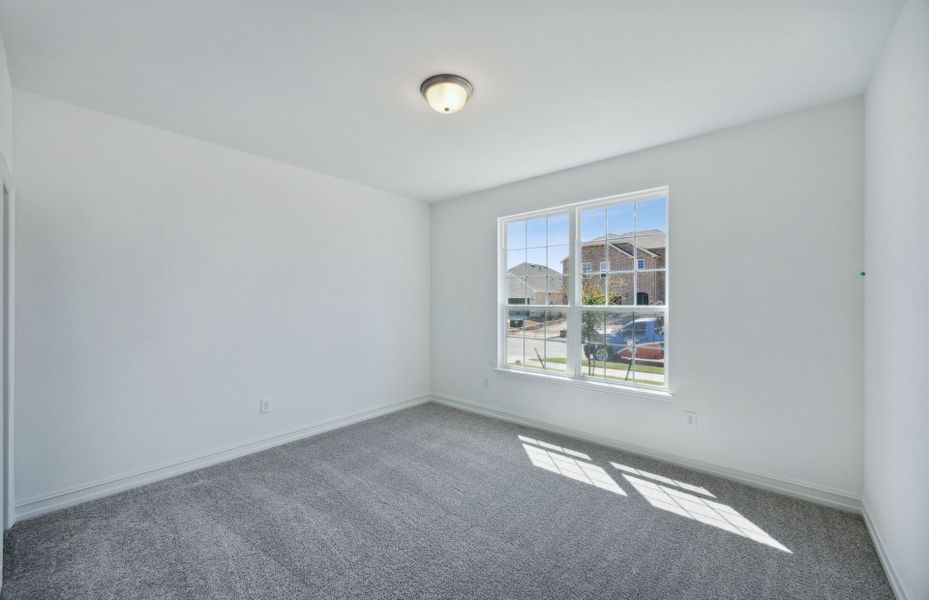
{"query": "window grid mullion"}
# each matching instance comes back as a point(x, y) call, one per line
point(574, 309)
point(574, 282)
point(635, 255)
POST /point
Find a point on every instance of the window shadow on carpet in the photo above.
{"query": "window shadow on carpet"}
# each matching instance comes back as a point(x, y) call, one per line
point(661, 492)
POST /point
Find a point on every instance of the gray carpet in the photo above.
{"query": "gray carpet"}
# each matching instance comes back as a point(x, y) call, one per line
point(436, 503)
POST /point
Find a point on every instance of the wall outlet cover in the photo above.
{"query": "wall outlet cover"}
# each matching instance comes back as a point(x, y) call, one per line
point(690, 418)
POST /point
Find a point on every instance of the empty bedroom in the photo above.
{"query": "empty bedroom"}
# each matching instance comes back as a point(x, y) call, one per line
point(457, 300)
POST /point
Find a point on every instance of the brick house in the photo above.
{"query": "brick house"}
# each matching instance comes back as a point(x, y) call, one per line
point(610, 262)
point(606, 262)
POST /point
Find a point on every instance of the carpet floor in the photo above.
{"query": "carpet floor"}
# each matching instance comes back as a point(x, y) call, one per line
point(433, 502)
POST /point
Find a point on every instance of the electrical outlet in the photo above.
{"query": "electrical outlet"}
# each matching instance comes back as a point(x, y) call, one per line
point(690, 419)
point(264, 406)
point(487, 382)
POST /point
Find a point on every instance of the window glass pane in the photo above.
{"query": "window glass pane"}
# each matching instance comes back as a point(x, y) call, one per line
point(593, 351)
point(516, 262)
point(608, 355)
point(651, 288)
point(556, 272)
point(515, 334)
point(516, 235)
point(648, 372)
point(621, 254)
point(621, 288)
point(592, 289)
point(516, 290)
point(557, 291)
point(535, 339)
point(536, 256)
point(535, 276)
point(558, 259)
point(556, 341)
point(620, 220)
point(558, 230)
point(543, 345)
point(622, 345)
point(593, 253)
point(536, 234)
point(649, 357)
point(652, 249)
point(651, 216)
point(593, 224)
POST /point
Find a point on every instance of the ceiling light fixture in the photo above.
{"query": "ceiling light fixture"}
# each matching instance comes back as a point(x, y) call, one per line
point(446, 94)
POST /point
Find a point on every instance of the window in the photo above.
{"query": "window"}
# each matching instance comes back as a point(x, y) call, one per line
point(559, 316)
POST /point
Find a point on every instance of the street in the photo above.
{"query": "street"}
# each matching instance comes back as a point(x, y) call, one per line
point(544, 343)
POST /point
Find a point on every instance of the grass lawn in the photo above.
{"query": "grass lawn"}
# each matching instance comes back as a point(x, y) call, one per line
point(613, 365)
point(561, 361)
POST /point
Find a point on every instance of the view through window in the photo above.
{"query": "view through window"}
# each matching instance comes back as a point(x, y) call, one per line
point(584, 290)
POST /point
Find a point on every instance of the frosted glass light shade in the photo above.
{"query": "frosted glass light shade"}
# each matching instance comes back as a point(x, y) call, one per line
point(446, 94)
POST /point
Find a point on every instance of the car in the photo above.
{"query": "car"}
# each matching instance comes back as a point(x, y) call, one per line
point(642, 339)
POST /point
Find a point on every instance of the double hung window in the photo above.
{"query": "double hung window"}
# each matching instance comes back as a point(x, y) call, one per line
point(584, 290)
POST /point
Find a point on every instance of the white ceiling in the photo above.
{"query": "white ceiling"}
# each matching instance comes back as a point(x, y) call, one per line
point(333, 86)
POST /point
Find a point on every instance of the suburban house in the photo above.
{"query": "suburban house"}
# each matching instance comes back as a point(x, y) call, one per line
point(529, 283)
point(611, 261)
point(607, 262)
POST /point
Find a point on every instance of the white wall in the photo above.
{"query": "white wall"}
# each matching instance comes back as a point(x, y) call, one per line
point(6, 165)
point(166, 284)
point(766, 299)
point(897, 321)
point(6, 110)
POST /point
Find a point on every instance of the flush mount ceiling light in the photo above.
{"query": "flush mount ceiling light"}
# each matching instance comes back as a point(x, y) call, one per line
point(446, 94)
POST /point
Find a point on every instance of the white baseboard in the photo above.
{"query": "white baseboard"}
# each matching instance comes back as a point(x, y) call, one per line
point(805, 491)
point(895, 583)
point(39, 505)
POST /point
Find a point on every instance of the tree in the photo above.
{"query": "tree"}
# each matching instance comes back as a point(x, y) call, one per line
point(593, 293)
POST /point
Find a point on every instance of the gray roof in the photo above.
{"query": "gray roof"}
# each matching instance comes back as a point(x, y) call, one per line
point(516, 287)
point(535, 281)
point(533, 270)
point(654, 240)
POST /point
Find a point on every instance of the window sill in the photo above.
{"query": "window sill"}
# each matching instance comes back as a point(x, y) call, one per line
point(662, 395)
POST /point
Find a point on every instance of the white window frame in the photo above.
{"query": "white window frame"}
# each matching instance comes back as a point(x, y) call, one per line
point(575, 372)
